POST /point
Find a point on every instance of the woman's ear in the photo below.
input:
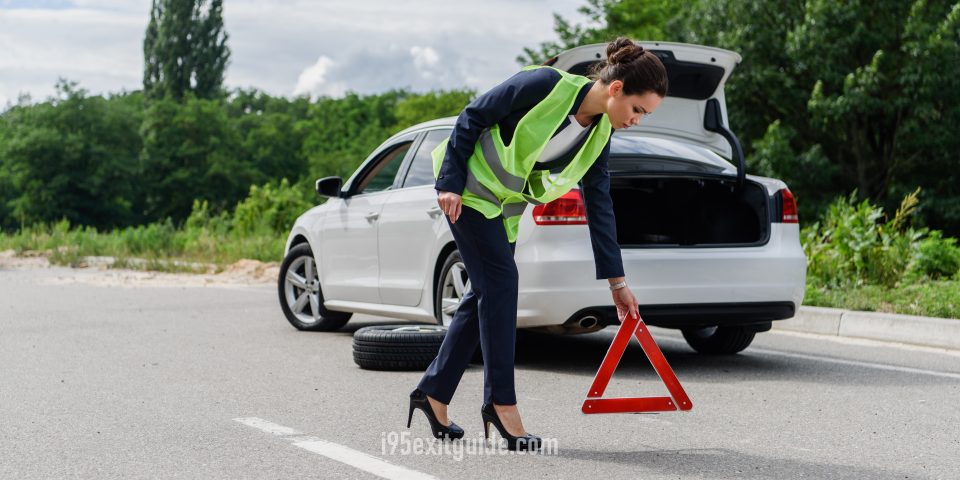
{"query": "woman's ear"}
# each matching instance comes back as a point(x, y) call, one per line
point(615, 88)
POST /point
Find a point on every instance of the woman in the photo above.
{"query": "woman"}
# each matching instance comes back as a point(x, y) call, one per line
point(539, 121)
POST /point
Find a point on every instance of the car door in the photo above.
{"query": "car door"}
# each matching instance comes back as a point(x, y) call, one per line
point(349, 259)
point(409, 227)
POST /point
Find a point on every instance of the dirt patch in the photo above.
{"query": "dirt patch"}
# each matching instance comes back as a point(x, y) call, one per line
point(98, 271)
point(28, 259)
point(253, 270)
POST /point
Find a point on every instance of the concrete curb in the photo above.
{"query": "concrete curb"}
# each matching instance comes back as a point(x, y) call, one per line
point(887, 327)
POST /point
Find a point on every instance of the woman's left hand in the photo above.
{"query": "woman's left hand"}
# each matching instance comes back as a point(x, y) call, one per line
point(626, 303)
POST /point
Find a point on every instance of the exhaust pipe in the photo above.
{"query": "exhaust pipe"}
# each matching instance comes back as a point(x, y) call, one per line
point(588, 321)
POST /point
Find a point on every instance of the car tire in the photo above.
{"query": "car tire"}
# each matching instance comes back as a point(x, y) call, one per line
point(397, 347)
point(300, 293)
point(449, 291)
point(719, 340)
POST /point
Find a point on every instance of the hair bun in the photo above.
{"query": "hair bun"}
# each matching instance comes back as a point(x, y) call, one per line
point(623, 50)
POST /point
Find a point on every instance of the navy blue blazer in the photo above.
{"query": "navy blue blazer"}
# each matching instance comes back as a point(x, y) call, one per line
point(505, 105)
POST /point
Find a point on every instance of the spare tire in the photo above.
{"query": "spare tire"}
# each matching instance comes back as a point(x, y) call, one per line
point(397, 347)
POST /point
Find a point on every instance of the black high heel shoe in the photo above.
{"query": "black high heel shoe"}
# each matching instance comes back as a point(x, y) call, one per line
point(418, 399)
point(526, 442)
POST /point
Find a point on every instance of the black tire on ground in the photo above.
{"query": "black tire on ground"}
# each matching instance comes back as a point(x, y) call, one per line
point(397, 347)
point(718, 340)
point(325, 320)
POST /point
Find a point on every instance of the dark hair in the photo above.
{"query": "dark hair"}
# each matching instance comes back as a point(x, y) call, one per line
point(640, 70)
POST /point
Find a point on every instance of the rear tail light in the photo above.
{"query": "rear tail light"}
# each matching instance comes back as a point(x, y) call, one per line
point(789, 207)
point(566, 210)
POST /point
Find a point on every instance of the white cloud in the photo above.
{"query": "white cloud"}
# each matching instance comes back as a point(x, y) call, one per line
point(424, 57)
point(375, 70)
point(279, 46)
point(312, 81)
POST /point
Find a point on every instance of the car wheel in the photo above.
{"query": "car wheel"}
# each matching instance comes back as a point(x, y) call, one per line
point(718, 340)
point(301, 298)
point(397, 347)
point(453, 285)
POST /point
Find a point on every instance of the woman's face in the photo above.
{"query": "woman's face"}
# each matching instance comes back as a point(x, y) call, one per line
point(626, 110)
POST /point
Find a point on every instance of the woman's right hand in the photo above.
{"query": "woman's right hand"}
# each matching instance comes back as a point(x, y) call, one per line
point(451, 204)
point(627, 304)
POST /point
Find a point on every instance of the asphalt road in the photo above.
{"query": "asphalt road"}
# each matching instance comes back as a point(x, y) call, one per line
point(101, 381)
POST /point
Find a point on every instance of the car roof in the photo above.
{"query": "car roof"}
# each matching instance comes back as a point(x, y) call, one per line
point(440, 122)
point(625, 142)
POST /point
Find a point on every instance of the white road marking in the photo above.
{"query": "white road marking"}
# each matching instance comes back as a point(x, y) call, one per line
point(856, 363)
point(867, 342)
point(266, 426)
point(335, 451)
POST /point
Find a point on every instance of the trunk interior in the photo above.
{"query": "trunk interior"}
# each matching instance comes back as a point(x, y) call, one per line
point(688, 211)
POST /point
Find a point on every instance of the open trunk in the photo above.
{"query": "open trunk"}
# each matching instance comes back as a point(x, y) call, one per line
point(688, 211)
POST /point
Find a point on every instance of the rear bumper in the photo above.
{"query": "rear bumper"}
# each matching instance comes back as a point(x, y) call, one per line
point(758, 314)
point(675, 287)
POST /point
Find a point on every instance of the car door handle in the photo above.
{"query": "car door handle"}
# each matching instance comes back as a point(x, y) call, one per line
point(434, 212)
point(372, 216)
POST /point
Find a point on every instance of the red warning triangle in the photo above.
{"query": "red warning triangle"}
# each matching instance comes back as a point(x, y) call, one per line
point(677, 400)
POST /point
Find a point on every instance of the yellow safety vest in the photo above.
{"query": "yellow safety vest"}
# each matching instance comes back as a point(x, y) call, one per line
point(500, 176)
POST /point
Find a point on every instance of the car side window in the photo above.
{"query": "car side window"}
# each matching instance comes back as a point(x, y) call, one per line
point(421, 169)
point(383, 174)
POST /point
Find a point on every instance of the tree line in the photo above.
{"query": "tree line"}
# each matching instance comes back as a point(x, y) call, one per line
point(119, 160)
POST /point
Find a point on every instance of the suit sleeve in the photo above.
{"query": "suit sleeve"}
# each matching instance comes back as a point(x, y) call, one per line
point(600, 218)
point(521, 91)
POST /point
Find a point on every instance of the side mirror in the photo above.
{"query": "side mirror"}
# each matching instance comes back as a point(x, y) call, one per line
point(329, 187)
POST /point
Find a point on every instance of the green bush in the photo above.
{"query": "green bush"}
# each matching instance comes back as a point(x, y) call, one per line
point(270, 209)
point(937, 257)
point(852, 245)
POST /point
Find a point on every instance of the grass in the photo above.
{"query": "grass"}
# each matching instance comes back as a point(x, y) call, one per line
point(930, 298)
point(157, 246)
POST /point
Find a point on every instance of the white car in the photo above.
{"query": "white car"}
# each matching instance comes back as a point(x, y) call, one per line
point(706, 248)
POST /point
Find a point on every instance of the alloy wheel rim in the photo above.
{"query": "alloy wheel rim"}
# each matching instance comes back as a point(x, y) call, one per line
point(419, 329)
point(456, 284)
point(301, 287)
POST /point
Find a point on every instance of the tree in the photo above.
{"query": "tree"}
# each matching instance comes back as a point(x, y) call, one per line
point(342, 132)
point(184, 49)
point(73, 157)
point(190, 151)
point(418, 108)
point(212, 55)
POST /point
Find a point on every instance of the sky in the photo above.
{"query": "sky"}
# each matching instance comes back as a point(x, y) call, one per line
point(283, 47)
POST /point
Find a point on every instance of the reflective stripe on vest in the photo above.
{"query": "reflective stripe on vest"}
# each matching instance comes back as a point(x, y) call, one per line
point(501, 180)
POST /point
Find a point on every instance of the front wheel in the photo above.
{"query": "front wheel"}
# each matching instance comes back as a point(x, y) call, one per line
point(301, 298)
point(719, 340)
